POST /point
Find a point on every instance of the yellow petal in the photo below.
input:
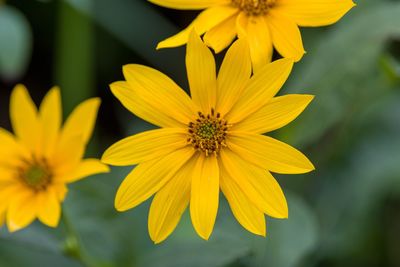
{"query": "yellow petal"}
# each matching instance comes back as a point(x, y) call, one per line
point(67, 156)
point(286, 36)
point(260, 42)
point(260, 89)
point(82, 120)
point(147, 178)
point(24, 119)
point(200, 66)
point(50, 117)
point(193, 4)
point(314, 12)
point(22, 210)
point(256, 184)
point(233, 76)
point(269, 153)
point(49, 207)
point(222, 35)
point(204, 22)
point(169, 203)
point(242, 208)
point(11, 151)
point(2, 218)
point(204, 195)
point(159, 91)
point(277, 113)
point(85, 168)
point(145, 146)
point(241, 25)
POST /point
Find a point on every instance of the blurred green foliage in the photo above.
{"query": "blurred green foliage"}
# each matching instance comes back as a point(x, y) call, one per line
point(345, 214)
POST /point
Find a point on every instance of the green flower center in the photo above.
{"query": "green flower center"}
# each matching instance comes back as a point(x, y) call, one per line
point(36, 174)
point(208, 133)
point(254, 7)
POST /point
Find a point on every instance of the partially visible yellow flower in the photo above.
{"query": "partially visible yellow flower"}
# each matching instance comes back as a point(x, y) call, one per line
point(265, 23)
point(210, 141)
point(43, 157)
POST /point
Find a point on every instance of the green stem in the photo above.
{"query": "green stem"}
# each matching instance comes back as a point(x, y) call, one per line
point(72, 244)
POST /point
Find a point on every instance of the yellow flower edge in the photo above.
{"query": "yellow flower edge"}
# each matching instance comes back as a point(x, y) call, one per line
point(208, 142)
point(266, 24)
point(38, 162)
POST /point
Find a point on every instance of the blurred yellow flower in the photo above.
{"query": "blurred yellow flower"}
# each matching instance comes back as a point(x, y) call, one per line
point(42, 158)
point(209, 141)
point(265, 23)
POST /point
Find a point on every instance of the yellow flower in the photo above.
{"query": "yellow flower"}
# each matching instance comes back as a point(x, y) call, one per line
point(265, 23)
point(210, 141)
point(42, 158)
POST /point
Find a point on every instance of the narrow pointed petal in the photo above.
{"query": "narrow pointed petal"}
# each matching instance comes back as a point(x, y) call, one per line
point(169, 203)
point(185, 4)
point(277, 113)
point(22, 211)
point(314, 12)
point(251, 218)
point(11, 151)
point(24, 118)
point(204, 22)
point(2, 217)
point(200, 66)
point(286, 36)
point(222, 35)
point(68, 155)
point(259, 186)
point(260, 42)
point(49, 208)
point(160, 92)
point(260, 89)
point(50, 114)
point(204, 195)
point(233, 76)
point(147, 178)
point(85, 168)
point(145, 146)
point(269, 153)
point(82, 120)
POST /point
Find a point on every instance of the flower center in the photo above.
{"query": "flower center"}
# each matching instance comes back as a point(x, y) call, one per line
point(36, 174)
point(254, 7)
point(208, 133)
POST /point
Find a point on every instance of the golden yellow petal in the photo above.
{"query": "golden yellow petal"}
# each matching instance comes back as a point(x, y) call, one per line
point(169, 203)
point(24, 119)
point(277, 113)
point(2, 217)
point(204, 195)
point(11, 151)
point(50, 116)
point(200, 66)
point(260, 42)
point(193, 4)
point(147, 178)
point(49, 207)
point(314, 12)
point(160, 92)
point(222, 35)
point(269, 153)
point(145, 146)
point(22, 210)
point(81, 121)
point(204, 22)
point(251, 218)
point(233, 76)
point(85, 168)
point(67, 156)
point(286, 35)
point(260, 89)
point(257, 184)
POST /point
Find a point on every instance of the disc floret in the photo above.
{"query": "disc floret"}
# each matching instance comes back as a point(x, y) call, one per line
point(36, 174)
point(208, 133)
point(254, 7)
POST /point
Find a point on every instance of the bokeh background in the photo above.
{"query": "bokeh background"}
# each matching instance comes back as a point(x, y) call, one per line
point(345, 214)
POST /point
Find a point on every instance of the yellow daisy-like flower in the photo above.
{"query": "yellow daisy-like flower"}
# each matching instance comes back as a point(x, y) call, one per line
point(209, 141)
point(265, 23)
point(43, 157)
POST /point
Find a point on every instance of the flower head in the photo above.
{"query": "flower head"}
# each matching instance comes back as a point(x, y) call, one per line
point(264, 23)
point(43, 157)
point(210, 141)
